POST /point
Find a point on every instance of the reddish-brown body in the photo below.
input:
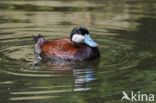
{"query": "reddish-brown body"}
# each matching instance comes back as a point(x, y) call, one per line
point(65, 49)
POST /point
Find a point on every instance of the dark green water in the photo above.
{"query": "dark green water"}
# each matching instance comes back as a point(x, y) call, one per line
point(124, 29)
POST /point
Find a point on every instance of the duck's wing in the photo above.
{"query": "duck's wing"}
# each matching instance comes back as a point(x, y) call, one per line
point(60, 48)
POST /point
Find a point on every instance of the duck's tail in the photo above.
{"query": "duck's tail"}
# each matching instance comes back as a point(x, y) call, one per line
point(36, 38)
point(39, 40)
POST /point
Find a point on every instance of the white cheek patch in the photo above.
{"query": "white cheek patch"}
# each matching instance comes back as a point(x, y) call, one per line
point(78, 38)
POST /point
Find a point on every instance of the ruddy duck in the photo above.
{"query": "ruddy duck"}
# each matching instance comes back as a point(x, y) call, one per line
point(78, 47)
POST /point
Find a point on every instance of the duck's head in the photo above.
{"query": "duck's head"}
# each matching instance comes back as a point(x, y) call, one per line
point(81, 35)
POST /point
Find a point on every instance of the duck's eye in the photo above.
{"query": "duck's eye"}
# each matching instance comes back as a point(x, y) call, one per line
point(78, 38)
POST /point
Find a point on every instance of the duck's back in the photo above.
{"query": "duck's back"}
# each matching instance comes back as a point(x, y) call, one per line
point(65, 49)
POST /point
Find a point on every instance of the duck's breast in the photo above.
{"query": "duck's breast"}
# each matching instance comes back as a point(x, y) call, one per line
point(87, 53)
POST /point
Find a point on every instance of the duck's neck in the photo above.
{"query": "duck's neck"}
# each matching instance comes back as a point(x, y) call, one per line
point(77, 44)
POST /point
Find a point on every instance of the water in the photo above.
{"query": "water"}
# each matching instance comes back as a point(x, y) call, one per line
point(125, 31)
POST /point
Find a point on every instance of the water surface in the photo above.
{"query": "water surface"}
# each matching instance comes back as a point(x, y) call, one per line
point(125, 31)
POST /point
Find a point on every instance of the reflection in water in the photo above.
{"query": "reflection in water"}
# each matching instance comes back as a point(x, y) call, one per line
point(82, 78)
point(124, 30)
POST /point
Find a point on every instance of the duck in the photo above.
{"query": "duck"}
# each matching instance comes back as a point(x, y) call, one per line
point(79, 46)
